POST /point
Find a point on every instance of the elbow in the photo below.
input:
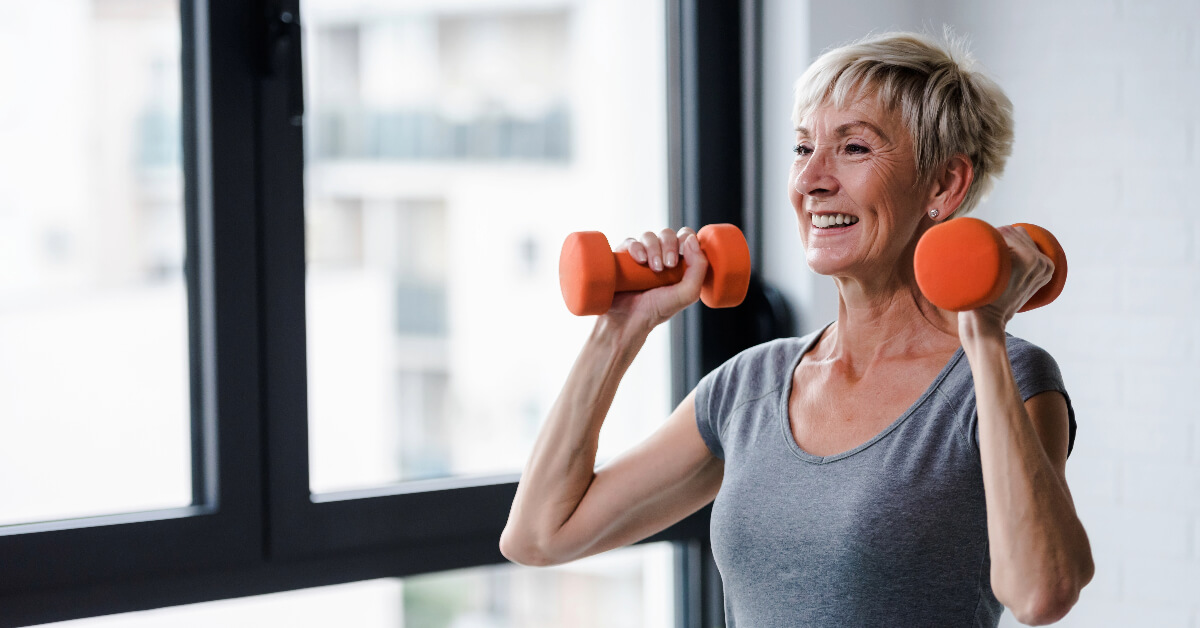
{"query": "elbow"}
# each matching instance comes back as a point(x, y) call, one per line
point(524, 552)
point(1044, 609)
point(1047, 604)
point(1047, 599)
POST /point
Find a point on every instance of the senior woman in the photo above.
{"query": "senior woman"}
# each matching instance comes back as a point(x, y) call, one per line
point(902, 466)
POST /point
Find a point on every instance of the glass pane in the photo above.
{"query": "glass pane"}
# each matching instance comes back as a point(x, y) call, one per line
point(627, 588)
point(94, 414)
point(450, 150)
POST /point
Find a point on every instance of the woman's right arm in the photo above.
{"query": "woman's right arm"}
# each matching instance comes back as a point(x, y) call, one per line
point(564, 509)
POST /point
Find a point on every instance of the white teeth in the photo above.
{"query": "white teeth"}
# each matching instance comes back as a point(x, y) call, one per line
point(832, 220)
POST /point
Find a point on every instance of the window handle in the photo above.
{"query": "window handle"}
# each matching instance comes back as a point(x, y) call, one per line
point(283, 59)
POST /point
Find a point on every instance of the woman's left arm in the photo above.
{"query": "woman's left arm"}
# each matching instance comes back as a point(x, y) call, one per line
point(1041, 557)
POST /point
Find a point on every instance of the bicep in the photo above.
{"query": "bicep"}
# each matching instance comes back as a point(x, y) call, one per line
point(1049, 415)
point(645, 490)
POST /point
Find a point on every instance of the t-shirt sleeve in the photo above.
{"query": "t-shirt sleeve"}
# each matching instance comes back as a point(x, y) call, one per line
point(710, 399)
point(1037, 372)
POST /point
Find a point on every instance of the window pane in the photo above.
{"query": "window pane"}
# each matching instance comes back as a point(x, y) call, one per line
point(94, 412)
point(628, 588)
point(449, 153)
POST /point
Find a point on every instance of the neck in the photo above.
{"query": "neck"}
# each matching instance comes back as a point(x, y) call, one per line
point(885, 320)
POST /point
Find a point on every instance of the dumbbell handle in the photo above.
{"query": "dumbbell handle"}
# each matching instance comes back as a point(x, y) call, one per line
point(636, 277)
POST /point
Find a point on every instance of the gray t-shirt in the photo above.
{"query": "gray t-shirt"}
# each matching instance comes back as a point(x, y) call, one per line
point(890, 533)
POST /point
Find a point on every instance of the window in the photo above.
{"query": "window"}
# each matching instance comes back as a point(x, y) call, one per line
point(93, 303)
point(450, 153)
point(279, 277)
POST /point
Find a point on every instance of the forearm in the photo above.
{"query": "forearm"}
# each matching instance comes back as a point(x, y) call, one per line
point(1039, 550)
point(561, 466)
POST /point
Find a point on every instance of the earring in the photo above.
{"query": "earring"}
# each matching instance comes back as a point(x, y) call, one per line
point(933, 213)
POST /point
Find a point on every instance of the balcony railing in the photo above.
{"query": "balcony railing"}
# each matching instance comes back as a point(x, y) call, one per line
point(428, 135)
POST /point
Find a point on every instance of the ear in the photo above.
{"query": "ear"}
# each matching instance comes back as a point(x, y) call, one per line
point(950, 186)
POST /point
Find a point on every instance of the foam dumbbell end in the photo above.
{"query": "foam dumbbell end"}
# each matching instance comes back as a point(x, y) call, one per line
point(963, 264)
point(590, 273)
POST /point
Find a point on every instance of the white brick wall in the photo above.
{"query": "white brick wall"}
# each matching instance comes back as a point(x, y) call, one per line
point(1107, 156)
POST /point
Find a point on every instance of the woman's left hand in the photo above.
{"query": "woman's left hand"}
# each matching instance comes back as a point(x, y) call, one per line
point(1031, 269)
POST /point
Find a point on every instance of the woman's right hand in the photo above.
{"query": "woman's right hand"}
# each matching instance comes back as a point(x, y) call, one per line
point(564, 507)
point(665, 249)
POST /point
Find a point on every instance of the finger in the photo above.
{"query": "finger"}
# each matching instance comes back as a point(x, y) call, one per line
point(1027, 254)
point(653, 250)
point(1021, 244)
point(1014, 236)
point(697, 264)
point(1011, 232)
point(682, 235)
point(1044, 268)
point(636, 250)
point(670, 247)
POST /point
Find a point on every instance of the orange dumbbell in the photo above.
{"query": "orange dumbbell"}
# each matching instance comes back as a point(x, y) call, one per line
point(590, 273)
point(963, 264)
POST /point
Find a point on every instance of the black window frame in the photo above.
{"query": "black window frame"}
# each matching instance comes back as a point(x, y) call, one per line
point(257, 529)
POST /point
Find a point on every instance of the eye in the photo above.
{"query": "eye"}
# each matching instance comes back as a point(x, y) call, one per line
point(857, 149)
point(801, 149)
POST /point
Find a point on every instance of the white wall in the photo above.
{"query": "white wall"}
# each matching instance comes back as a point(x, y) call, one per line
point(1106, 95)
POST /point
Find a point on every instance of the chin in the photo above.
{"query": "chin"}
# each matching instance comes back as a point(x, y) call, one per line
point(822, 264)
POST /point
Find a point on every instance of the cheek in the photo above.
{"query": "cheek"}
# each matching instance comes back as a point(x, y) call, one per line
point(874, 181)
point(889, 181)
point(879, 188)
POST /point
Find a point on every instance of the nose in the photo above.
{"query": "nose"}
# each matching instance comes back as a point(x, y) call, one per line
point(816, 177)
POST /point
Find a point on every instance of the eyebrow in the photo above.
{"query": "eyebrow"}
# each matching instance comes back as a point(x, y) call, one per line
point(844, 129)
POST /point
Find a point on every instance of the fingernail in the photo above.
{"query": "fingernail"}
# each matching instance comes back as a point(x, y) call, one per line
point(671, 260)
point(656, 264)
point(640, 256)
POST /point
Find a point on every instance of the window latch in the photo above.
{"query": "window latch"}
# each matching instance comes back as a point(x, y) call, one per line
point(283, 59)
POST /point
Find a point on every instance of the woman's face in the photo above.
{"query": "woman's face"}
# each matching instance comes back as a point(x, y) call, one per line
point(857, 165)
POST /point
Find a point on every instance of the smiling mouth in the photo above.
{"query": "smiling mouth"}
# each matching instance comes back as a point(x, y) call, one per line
point(832, 221)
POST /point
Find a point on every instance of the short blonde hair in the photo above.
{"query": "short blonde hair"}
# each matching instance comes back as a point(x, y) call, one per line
point(947, 104)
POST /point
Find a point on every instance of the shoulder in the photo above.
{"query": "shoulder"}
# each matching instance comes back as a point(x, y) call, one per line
point(1034, 368)
point(1036, 372)
point(771, 352)
point(760, 369)
point(1020, 346)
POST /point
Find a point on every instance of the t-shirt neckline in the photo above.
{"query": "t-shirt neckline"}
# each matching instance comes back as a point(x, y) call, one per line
point(786, 393)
